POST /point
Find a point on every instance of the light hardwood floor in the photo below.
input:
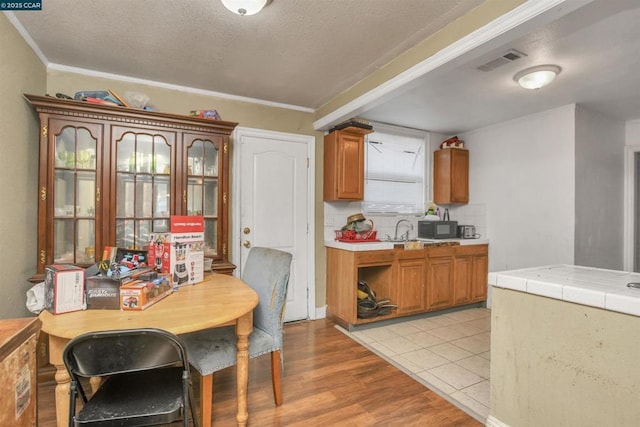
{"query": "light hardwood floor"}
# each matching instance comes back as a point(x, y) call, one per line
point(328, 380)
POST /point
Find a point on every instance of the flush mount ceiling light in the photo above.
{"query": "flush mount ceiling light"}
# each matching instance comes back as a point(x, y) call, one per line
point(537, 77)
point(245, 7)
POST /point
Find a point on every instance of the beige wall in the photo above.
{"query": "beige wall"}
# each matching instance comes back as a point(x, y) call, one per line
point(556, 363)
point(21, 72)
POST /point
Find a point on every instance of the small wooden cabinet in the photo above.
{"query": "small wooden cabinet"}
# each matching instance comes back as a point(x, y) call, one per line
point(451, 176)
point(344, 270)
point(417, 281)
point(110, 176)
point(18, 370)
point(344, 164)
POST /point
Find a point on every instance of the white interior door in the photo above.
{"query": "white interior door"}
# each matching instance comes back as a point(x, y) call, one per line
point(275, 206)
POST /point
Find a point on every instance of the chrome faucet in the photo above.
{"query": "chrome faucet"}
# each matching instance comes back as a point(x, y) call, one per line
point(406, 235)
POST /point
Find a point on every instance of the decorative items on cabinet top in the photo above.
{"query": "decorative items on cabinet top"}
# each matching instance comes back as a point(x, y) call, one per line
point(79, 108)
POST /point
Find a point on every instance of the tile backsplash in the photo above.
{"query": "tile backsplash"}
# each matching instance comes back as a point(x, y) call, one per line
point(336, 213)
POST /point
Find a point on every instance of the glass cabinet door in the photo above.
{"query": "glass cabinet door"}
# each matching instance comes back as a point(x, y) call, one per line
point(143, 187)
point(75, 193)
point(202, 193)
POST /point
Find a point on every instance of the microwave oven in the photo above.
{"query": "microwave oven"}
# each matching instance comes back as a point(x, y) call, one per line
point(437, 229)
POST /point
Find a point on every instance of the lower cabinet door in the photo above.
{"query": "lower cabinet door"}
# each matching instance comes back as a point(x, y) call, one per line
point(410, 286)
point(439, 292)
point(479, 277)
point(462, 280)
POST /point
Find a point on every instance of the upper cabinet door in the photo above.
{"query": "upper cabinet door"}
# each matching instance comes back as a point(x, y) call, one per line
point(451, 176)
point(206, 193)
point(72, 203)
point(344, 164)
point(142, 200)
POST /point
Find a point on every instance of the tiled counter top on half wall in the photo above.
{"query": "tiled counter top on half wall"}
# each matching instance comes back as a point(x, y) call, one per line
point(564, 347)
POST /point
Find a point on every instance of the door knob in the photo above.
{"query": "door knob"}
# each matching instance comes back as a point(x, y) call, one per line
point(246, 244)
point(246, 230)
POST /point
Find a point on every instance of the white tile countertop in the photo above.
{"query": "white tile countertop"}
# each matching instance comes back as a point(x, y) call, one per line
point(380, 246)
point(359, 246)
point(595, 287)
point(462, 242)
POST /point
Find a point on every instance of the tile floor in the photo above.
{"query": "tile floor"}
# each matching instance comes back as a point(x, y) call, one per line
point(449, 353)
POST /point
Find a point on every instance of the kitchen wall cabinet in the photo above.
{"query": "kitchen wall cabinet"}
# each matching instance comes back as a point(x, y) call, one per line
point(440, 270)
point(417, 281)
point(344, 164)
point(451, 176)
point(110, 176)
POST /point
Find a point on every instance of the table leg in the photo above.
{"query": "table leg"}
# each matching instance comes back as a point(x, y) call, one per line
point(244, 326)
point(56, 346)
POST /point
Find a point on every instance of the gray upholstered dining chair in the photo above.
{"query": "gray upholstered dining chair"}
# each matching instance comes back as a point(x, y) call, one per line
point(210, 350)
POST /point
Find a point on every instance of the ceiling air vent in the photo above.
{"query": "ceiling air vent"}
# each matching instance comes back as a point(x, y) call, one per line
point(509, 56)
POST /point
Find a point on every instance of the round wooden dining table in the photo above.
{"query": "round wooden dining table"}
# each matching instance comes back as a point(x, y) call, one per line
point(220, 300)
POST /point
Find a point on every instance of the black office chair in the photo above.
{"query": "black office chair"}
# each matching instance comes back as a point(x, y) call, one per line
point(149, 380)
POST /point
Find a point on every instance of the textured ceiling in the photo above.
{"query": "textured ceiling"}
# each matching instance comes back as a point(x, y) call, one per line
point(597, 46)
point(305, 52)
point(297, 52)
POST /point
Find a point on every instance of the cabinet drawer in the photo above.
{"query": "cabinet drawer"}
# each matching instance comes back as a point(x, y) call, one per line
point(472, 250)
point(402, 254)
point(374, 257)
point(440, 251)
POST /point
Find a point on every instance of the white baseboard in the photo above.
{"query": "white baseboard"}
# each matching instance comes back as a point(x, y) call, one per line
point(494, 422)
point(321, 312)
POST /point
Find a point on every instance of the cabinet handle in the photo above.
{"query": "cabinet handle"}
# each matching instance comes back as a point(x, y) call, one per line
point(43, 193)
point(246, 230)
point(98, 194)
point(184, 196)
point(42, 257)
point(224, 198)
point(246, 244)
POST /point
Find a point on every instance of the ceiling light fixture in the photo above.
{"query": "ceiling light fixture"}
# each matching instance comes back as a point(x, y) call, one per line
point(244, 7)
point(537, 77)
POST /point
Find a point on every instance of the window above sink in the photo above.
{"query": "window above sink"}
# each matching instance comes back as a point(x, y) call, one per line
point(395, 170)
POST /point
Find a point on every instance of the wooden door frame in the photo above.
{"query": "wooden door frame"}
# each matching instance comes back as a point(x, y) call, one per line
point(234, 226)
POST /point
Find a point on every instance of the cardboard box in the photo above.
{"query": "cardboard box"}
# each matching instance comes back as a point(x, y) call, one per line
point(179, 253)
point(139, 295)
point(64, 288)
point(103, 293)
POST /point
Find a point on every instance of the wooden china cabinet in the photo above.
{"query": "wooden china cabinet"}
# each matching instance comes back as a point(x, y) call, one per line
point(109, 176)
